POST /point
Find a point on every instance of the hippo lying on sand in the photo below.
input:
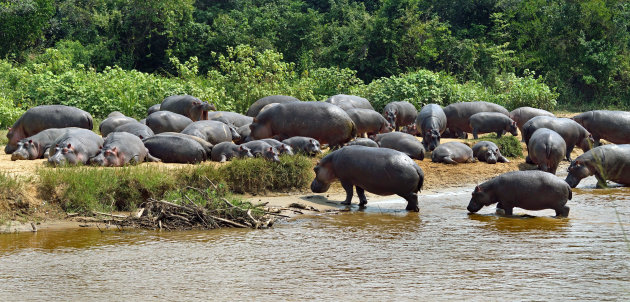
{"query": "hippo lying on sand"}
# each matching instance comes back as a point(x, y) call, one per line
point(488, 152)
point(122, 148)
point(452, 153)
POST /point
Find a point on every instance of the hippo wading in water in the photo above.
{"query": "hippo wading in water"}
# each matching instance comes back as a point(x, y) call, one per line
point(608, 162)
point(187, 105)
point(529, 190)
point(376, 170)
point(431, 123)
point(44, 117)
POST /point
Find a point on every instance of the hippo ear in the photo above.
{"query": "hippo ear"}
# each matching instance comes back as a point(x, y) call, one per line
point(240, 148)
point(114, 149)
point(140, 136)
point(30, 141)
point(196, 103)
point(255, 120)
point(69, 146)
point(477, 189)
point(270, 149)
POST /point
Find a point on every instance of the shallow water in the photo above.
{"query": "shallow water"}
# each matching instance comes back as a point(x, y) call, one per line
point(382, 253)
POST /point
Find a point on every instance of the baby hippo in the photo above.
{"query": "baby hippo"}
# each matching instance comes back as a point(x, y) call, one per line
point(362, 142)
point(488, 152)
point(303, 144)
point(486, 122)
point(74, 147)
point(262, 149)
point(227, 150)
point(452, 153)
point(393, 173)
point(122, 148)
point(280, 146)
point(529, 190)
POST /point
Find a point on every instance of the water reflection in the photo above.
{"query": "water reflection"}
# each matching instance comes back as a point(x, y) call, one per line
point(521, 223)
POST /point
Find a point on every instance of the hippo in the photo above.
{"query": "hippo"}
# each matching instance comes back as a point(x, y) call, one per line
point(255, 108)
point(363, 142)
point(153, 108)
point(37, 146)
point(393, 173)
point(572, 132)
point(514, 189)
point(280, 146)
point(187, 105)
point(613, 126)
point(458, 115)
point(213, 132)
point(546, 149)
point(411, 129)
point(176, 149)
point(523, 114)
point(403, 142)
point(368, 121)
point(452, 153)
point(167, 121)
point(109, 124)
point(607, 162)
point(324, 122)
point(122, 148)
point(400, 114)
point(75, 146)
point(431, 123)
point(115, 113)
point(138, 129)
point(485, 122)
point(302, 144)
point(44, 117)
point(488, 152)
point(207, 147)
point(230, 118)
point(225, 151)
point(245, 133)
point(347, 102)
point(260, 148)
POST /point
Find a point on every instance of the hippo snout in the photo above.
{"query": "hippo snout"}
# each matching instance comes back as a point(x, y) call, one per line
point(572, 181)
point(319, 187)
point(474, 207)
point(491, 160)
point(19, 156)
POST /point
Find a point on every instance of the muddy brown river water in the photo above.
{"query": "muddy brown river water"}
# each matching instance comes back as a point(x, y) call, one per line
point(380, 254)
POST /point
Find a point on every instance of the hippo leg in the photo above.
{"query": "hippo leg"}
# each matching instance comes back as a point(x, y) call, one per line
point(152, 158)
point(412, 202)
point(475, 133)
point(562, 212)
point(502, 159)
point(499, 210)
point(223, 159)
point(46, 155)
point(500, 133)
point(449, 160)
point(349, 190)
point(528, 160)
point(508, 211)
point(597, 142)
point(601, 182)
point(362, 198)
point(569, 150)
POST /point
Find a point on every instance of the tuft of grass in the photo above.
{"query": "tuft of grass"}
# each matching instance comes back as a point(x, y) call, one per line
point(509, 145)
point(257, 175)
point(4, 140)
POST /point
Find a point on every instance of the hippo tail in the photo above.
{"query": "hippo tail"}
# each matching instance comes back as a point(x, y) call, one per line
point(420, 178)
point(570, 193)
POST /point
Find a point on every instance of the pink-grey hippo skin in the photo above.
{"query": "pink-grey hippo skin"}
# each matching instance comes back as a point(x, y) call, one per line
point(363, 142)
point(607, 162)
point(400, 114)
point(452, 153)
point(303, 144)
point(188, 106)
point(75, 147)
point(529, 190)
point(403, 142)
point(153, 108)
point(411, 129)
point(260, 148)
point(173, 148)
point(44, 117)
point(230, 118)
point(572, 132)
point(109, 124)
point(255, 108)
point(280, 146)
point(115, 113)
point(120, 149)
point(488, 152)
point(37, 146)
point(458, 115)
point(368, 121)
point(227, 150)
point(380, 171)
point(546, 149)
point(207, 147)
point(486, 122)
point(322, 121)
point(613, 126)
point(213, 132)
point(138, 129)
point(347, 102)
point(523, 114)
point(431, 123)
point(245, 133)
point(167, 121)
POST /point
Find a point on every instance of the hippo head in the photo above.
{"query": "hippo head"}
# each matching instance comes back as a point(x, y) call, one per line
point(271, 154)
point(324, 175)
point(492, 155)
point(386, 128)
point(65, 155)
point(512, 128)
point(244, 152)
point(390, 116)
point(431, 139)
point(479, 199)
point(234, 133)
point(259, 130)
point(587, 143)
point(26, 149)
point(108, 158)
point(285, 149)
point(313, 147)
point(577, 170)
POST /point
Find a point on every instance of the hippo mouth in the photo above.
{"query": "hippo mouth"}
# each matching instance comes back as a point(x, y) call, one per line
point(18, 156)
point(572, 181)
point(474, 207)
point(319, 187)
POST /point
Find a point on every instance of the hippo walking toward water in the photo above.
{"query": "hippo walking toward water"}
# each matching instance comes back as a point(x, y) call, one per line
point(403, 142)
point(122, 148)
point(187, 105)
point(255, 108)
point(38, 145)
point(452, 153)
point(400, 114)
point(488, 152)
point(608, 162)
point(486, 122)
point(431, 123)
point(572, 132)
point(355, 166)
point(613, 126)
point(44, 117)
point(347, 102)
point(76, 146)
point(458, 115)
point(529, 190)
point(546, 149)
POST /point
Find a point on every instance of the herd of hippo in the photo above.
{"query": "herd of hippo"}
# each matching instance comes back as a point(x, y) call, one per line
point(373, 151)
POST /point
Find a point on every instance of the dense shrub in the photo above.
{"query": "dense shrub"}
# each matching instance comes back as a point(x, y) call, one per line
point(509, 145)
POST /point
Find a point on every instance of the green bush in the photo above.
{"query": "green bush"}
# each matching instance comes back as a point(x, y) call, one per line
point(509, 145)
point(258, 175)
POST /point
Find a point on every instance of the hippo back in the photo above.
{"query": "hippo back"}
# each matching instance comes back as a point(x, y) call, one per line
point(431, 117)
point(230, 118)
point(458, 114)
point(167, 121)
point(255, 108)
point(175, 149)
point(613, 126)
point(138, 129)
point(523, 114)
point(347, 102)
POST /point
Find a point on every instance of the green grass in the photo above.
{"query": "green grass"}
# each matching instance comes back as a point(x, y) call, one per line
point(509, 145)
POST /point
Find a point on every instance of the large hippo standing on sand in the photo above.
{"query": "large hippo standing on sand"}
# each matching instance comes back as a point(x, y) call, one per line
point(546, 149)
point(523, 114)
point(458, 115)
point(255, 108)
point(167, 121)
point(403, 142)
point(324, 122)
point(122, 148)
point(431, 123)
point(452, 153)
point(392, 172)
point(613, 126)
point(347, 102)
point(608, 162)
point(36, 146)
point(44, 117)
point(187, 105)
point(400, 114)
point(76, 146)
point(572, 132)
point(514, 189)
